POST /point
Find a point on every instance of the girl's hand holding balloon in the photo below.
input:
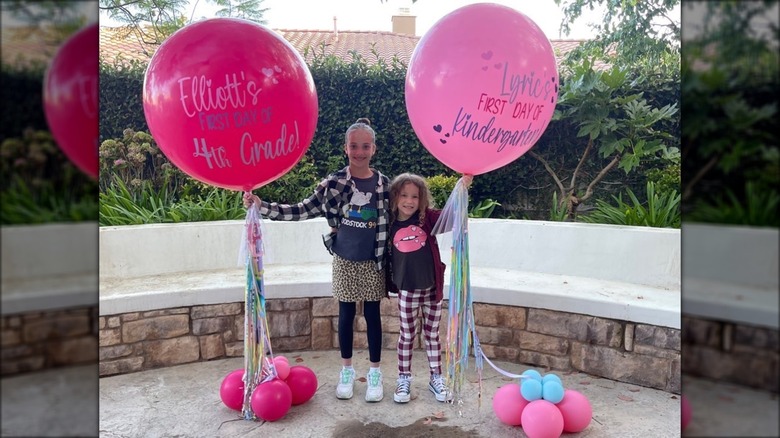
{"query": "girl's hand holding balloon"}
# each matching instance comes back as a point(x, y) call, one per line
point(250, 199)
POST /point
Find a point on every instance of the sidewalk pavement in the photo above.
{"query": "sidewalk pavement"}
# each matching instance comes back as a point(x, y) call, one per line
point(184, 401)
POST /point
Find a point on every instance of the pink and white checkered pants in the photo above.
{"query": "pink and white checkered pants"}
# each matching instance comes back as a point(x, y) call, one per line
point(408, 304)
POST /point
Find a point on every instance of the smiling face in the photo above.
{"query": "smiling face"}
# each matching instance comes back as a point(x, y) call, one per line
point(407, 201)
point(360, 148)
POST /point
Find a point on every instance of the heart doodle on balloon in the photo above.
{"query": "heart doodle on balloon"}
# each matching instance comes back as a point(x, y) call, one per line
point(484, 68)
point(487, 55)
point(278, 69)
point(268, 72)
point(498, 65)
point(443, 141)
point(437, 128)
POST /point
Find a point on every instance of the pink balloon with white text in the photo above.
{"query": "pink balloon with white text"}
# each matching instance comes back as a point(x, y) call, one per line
point(230, 102)
point(70, 99)
point(481, 87)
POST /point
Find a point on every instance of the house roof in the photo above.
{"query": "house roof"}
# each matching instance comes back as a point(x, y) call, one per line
point(118, 42)
point(369, 45)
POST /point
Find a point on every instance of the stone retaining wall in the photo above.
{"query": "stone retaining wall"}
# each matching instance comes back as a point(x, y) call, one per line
point(34, 341)
point(731, 352)
point(634, 353)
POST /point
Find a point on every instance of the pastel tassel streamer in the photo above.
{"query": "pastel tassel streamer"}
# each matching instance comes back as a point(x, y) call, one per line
point(258, 355)
point(461, 332)
point(461, 329)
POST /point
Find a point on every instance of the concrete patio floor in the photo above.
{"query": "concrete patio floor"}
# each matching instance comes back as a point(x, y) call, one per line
point(184, 401)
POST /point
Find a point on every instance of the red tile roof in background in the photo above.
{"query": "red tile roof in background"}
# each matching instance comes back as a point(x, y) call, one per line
point(113, 42)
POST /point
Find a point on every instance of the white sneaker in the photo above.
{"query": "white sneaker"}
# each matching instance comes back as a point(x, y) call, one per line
point(375, 391)
point(346, 384)
point(438, 388)
point(403, 390)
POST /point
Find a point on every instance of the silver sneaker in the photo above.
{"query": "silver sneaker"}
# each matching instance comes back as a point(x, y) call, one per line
point(375, 391)
point(346, 384)
point(438, 388)
point(403, 390)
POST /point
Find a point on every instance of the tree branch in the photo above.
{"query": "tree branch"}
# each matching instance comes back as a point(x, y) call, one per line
point(549, 170)
point(599, 177)
point(699, 175)
point(582, 160)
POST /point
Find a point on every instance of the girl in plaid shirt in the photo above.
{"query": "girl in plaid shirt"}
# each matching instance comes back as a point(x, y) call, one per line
point(354, 201)
point(416, 274)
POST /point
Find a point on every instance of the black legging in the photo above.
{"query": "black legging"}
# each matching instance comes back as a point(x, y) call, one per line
point(347, 312)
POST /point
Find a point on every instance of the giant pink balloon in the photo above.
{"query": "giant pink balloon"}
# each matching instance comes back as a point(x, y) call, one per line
point(481, 87)
point(70, 99)
point(230, 102)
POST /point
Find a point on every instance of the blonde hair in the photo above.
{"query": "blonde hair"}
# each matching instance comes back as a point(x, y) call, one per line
point(361, 123)
point(398, 183)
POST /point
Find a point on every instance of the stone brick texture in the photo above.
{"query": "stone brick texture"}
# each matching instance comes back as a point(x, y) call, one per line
point(735, 353)
point(36, 341)
point(539, 338)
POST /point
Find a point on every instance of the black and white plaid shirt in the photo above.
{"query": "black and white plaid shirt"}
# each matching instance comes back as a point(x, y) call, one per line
point(331, 199)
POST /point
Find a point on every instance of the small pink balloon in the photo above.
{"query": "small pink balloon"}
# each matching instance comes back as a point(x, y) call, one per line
point(282, 367)
point(303, 384)
point(284, 358)
point(232, 390)
point(542, 419)
point(508, 404)
point(576, 411)
point(271, 400)
point(686, 412)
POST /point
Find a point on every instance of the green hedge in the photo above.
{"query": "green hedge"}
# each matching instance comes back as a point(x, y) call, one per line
point(348, 91)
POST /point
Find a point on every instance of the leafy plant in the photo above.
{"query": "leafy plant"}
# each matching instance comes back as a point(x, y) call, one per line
point(441, 186)
point(624, 129)
point(40, 185)
point(119, 206)
point(661, 211)
point(758, 208)
point(558, 212)
point(484, 208)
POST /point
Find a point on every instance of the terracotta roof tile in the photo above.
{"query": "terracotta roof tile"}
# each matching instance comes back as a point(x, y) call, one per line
point(366, 44)
point(118, 42)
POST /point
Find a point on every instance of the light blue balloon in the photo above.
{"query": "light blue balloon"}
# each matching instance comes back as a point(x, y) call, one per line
point(552, 391)
point(533, 374)
point(551, 377)
point(531, 389)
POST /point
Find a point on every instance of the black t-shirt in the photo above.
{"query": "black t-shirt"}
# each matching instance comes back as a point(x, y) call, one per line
point(357, 233)
point(412, 261)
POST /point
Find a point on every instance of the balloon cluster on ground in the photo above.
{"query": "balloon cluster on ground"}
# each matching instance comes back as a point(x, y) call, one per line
point(282, 387)
point(541, 406)
point(685, 412)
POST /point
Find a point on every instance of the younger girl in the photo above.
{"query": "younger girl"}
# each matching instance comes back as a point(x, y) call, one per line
point(416, 273)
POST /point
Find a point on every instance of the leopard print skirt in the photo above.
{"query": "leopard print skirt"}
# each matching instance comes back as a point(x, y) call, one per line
point(357, 281)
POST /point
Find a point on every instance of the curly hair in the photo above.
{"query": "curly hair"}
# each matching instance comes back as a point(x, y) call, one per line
point(425, 200)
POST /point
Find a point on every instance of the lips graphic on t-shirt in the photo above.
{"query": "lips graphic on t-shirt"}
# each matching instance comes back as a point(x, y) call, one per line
point(410, 239)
